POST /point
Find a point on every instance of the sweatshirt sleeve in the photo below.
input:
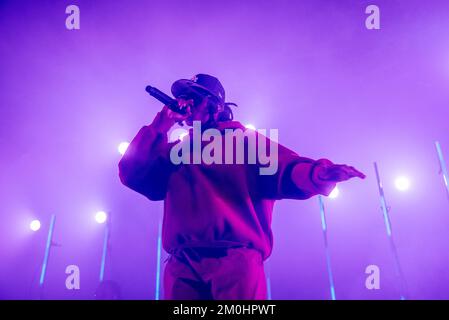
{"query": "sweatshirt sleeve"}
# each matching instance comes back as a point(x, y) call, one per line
point(145, 167)
point(296, 177)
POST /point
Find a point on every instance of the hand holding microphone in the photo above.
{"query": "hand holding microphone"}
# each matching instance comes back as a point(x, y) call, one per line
point(171, 103)
point(174, 110)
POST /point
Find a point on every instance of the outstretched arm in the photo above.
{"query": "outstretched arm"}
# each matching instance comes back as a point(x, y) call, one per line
point(322, 176)
point(300, 177)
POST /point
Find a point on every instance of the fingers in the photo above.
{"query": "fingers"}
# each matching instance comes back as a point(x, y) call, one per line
point(176, 117)
point(359, 174)
point(185, 103)
point(342, 172)
point(352, 172)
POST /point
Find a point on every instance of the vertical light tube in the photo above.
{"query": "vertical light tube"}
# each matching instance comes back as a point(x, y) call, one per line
point(268, 279)
point(105, 250)
point(385, 211)
point(158, 262)
point(47, 250)
point(326, 248)
point(443, 167)
point(47, 255)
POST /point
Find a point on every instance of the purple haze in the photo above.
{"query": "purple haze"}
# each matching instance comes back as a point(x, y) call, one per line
point(309, 68)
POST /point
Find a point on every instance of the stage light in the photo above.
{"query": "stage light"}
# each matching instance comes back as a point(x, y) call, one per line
point(35, 225)
point(402, 183)
point(122, 147)
point(250, 126)
point(334, 194)
point(101, 216)
point(183, 134)
point(178, 134)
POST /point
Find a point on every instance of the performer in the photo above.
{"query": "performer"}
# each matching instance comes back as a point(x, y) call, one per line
point(217, 217)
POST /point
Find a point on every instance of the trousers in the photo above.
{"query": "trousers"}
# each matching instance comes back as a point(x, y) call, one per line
point(215, 274)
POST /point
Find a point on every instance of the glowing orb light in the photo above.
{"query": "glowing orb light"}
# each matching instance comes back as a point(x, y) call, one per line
point(182, 135)
point(122, 147)
point(334, 194)
point(101, 217)
point(35, 225)
point(402, 183)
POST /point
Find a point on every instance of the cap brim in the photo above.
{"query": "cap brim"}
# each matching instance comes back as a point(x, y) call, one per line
point(184, 86)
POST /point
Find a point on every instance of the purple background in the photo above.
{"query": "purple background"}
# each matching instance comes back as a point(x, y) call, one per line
point(309, 68)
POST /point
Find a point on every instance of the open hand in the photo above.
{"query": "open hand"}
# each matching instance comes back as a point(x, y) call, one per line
point(339, 172)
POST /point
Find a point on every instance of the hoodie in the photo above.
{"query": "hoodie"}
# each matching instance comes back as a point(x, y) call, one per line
point(216, 205)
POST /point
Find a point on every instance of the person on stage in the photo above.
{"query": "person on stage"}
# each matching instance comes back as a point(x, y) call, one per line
point(217, 217)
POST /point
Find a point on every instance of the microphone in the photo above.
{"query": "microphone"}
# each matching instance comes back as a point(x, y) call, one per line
point(171, 103)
